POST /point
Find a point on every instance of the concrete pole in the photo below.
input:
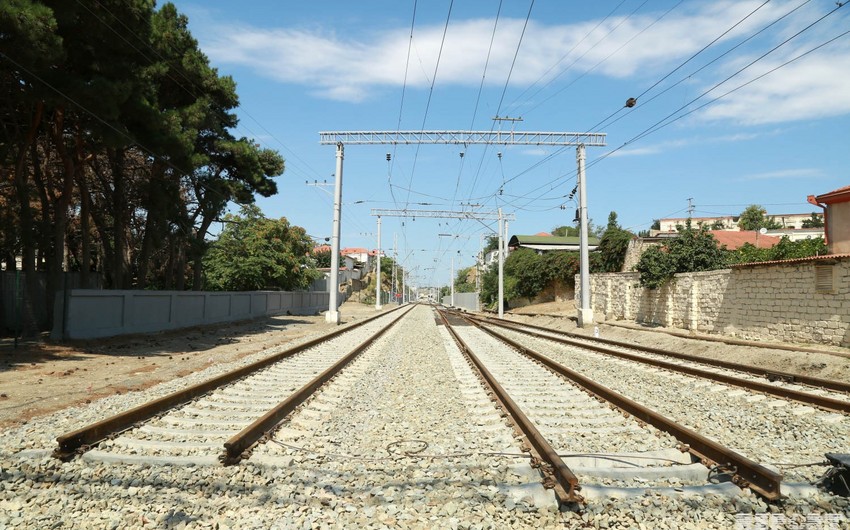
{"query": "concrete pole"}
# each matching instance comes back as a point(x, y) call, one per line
point(332, 316)
point(501, 267)
point(585, 312)
point(378, 270)
point(394, 277)
point(452, 281)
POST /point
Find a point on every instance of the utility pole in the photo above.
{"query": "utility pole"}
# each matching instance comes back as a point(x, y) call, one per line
point(501, 266)
point(450, 137)
point(378, 306)
point(393, 279)
point(585, 312)
point(690, 207)
point(452, 281)
point(332, 316)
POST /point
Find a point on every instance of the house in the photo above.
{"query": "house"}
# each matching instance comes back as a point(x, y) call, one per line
point(836, 206)
point(548, 242)
point(788, 221)
point(735, 240)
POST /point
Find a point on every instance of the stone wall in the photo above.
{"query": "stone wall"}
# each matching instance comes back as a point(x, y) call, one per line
point(805, 301)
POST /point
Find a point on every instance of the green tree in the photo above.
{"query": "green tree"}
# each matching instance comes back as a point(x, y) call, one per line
point(254, 253)
point(693, 250)
point(755, 217)
point(492, 244)
point(462, 283)
point(816, 221)
point(613, 246)
point(565, 231)
point(785, 249)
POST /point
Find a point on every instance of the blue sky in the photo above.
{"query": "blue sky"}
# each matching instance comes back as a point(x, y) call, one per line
point(343, 66)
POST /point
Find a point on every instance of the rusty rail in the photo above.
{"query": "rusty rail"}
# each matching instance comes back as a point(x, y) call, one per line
point(239, 443)
point(82, 439)
point(745, 472)
point(786, 393)
point(560, 478)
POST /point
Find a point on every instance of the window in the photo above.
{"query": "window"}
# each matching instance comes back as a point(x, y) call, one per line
point(824, 279)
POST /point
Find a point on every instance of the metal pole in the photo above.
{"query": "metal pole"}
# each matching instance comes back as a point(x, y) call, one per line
point(378, 270)
point(332, 316)
point(585, 312)
point(501, 267)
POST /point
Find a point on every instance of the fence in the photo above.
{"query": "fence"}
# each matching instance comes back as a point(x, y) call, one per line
point(468, 301)
point(23, 311)
point(85, 314)
point(806, 300)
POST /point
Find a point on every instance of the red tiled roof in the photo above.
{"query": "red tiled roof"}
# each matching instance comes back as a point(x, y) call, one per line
point(839, 195)
point(353, 250)
point(734, 239)
point(826, 257)
point(322, 248)
point(543, 234)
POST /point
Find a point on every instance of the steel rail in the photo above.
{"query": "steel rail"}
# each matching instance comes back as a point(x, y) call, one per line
point(745, 472)
point(236, 446)
point(564, 483)
point(772, 375)
point(823, 402)
point(82, 439)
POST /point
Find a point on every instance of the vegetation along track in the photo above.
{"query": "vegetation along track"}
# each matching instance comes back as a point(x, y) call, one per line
point(737, 409)
point(229, 412)
point(584, 424)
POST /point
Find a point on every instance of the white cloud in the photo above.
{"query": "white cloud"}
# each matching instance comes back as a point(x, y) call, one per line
point(638, 47)
point(780, 174)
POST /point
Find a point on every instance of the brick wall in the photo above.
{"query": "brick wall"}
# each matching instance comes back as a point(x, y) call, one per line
point(779, 301)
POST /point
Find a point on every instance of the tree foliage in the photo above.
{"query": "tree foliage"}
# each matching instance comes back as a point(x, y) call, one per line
point(612, 246)
point(755, 217)
point(253, 253)
point(528, 273)
point(816, 221)
point(462, 283)
point(785, 249)
point(694, 250)
point(116, 151)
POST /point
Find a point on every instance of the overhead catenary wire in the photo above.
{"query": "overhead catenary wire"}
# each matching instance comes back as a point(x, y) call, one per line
point(663, 123)
point(430, 95)
point(660, 124)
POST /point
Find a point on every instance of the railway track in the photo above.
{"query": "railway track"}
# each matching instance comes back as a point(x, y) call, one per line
point(222, 418)
point(586, 431)
point(824, 393)
point(581, 422)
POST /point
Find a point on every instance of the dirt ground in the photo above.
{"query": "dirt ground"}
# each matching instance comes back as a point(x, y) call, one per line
point(40, 377)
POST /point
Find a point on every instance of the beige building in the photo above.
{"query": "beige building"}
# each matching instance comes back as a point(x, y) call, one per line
point(788, 221)
point(836, 205)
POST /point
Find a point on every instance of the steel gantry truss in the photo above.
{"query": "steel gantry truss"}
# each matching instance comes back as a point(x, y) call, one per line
point(462, 138)
point(503, 219)
point(561, 139)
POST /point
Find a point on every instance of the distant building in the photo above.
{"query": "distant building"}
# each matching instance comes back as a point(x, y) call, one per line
point(836, 205)
point(548, 242)
point(788, 221)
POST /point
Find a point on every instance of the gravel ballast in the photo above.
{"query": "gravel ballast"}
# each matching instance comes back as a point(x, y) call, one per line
point(404, 438)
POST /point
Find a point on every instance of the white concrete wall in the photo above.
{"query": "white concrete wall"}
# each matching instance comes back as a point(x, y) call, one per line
point(104, 313)
point(761, 302)
point(468, 301)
